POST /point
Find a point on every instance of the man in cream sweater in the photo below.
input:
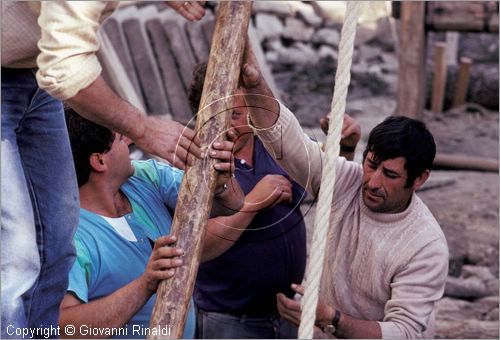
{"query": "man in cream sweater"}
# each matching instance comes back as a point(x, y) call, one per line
point(48, 55)
point(387, 257)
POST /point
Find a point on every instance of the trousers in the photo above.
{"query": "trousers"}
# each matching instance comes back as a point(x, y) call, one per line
point(40, 206)
point(211, 325)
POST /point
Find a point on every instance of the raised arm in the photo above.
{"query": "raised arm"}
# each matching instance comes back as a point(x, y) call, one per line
point(225, 230)
point(69, 70)
point(116, 309)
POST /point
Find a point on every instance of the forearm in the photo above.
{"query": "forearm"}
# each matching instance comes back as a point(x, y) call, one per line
point(99, 103)
point(352, 328)
point(112, 311)
point(224, 231)
point(263, 108)
point(229, 201)
point(295, 152)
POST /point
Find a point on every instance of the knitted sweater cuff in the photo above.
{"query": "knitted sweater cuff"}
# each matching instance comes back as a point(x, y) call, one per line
point(390, 331)
point(274, 132)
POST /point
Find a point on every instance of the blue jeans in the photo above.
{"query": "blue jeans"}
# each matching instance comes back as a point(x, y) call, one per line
point(211, 325)
point(40, 205)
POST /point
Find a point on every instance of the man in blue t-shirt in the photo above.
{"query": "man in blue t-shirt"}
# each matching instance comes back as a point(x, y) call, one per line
point(122, 253)
point(262, 248)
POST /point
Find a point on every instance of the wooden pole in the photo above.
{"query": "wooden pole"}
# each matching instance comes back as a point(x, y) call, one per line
point(196, 193)
point(463, 16)
point(462, 81)
point(462, 162)
point(411, 75)
point(439, 77)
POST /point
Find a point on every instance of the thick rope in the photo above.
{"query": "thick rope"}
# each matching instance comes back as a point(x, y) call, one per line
point(309, 301)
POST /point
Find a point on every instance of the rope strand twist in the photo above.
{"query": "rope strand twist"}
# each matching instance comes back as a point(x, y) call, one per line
point(309, 301)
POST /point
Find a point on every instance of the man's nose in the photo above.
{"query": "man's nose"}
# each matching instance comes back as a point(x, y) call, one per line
point(375, 179)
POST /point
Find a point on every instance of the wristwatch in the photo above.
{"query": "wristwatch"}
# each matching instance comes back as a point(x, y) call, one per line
point(331, 328)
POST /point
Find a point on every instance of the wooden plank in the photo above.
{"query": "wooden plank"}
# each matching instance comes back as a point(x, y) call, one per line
point(115, 73)
point(492, 12)
point(179, 45)
point(464, 16)
point(174, 86)
point(201, 47)
point(112, 28)
point(456, 16)
point(208, 30)
point(462, 162)
point(439, 77)
point(462, 81)
point(198, 184)
point(152, 88)
point(411, 75)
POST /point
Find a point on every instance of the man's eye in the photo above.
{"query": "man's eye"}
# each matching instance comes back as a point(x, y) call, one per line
point(390, 175)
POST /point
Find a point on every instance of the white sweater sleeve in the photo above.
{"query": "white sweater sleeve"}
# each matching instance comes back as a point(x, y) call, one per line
point(67, 62)
point(415, 290)
point(301, 157)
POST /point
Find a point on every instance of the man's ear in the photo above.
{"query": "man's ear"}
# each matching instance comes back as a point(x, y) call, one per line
point(97, 162)
point(420, 180)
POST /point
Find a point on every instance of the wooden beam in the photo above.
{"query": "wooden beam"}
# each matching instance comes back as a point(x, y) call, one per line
point(196, 193)
point(411, 75)
point(464, 16)
point(462, 81)
point(439, 77)
point(462, 162)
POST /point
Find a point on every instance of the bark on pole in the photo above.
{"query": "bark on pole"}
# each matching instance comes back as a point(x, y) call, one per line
point(439, 77)
point(462, 81)
point(196, 193)
point(411, 75)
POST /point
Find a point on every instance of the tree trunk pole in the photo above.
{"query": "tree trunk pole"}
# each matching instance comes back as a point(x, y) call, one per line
point(439, 77)
point(411, 74)
point(462, 81)
point(196, 192)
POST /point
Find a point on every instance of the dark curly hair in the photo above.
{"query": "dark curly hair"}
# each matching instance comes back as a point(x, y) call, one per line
point(399, 136)
point(196, 86)
point(86, 138)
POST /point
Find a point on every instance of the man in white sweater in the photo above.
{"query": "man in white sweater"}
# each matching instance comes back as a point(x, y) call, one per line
point(387, 258)
point(48, 55)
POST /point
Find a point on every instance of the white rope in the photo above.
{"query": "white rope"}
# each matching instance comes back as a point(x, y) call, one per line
point(309, 301)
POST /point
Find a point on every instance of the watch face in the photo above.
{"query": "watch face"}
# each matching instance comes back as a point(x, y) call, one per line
point(329, 329)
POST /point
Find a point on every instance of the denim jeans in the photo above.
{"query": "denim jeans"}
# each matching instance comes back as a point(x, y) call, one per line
point(211, 325)
point(40, 207)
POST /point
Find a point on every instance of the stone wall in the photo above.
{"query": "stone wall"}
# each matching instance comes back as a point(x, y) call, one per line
point(157, 50)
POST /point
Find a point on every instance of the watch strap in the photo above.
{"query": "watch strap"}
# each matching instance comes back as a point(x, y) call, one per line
point(336, 319)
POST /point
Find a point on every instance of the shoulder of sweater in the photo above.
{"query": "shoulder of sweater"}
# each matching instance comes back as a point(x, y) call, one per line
point(429, 223)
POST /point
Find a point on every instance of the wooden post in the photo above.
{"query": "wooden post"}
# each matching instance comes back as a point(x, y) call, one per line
point(439, 77)
point(464, 16)
point(196, 193)
point(462, 81)
point(462, 162)
point(411, 75)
